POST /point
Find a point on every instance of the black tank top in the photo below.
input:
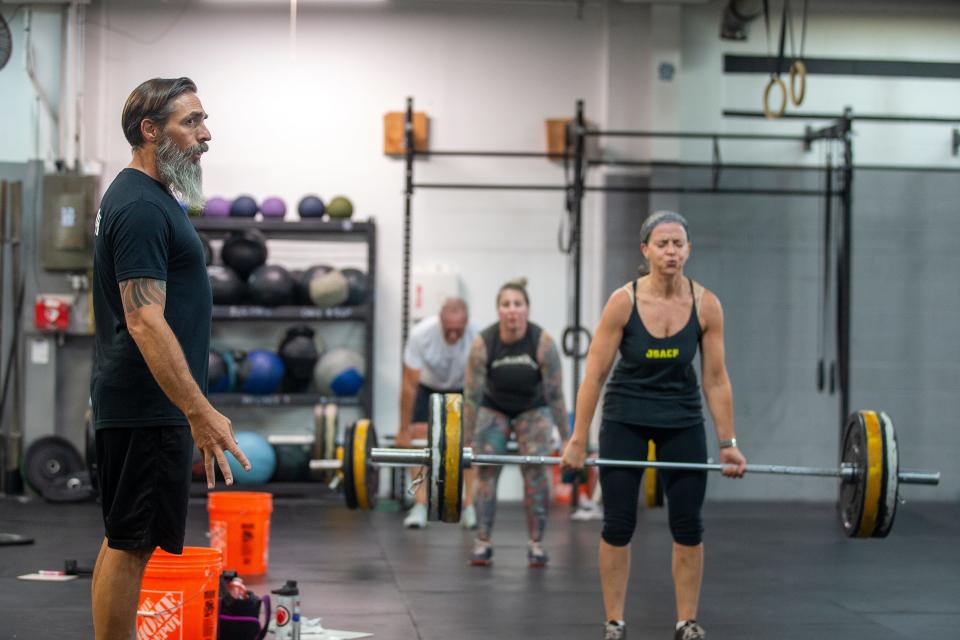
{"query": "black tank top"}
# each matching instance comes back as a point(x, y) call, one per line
point(654, 383)
point(514, 382)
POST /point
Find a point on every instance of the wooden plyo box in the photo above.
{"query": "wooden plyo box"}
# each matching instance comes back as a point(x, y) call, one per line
point(557, 138)
point(393, 136)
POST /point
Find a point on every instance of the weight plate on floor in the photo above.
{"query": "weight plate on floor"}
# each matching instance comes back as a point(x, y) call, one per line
point(444, 475)
point(13, 539)
point(875, 474)
point(852, 490)
point(891, 479)
point(453, 458)
point(361, 480)
point(49, 458)
point(860, 497)
point(75, 487)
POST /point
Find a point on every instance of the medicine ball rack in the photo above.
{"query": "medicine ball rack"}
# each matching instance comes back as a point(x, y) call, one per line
point(303, 230)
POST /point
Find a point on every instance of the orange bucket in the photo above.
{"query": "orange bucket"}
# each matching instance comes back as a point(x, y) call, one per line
point(179, 595)
point(240, 528)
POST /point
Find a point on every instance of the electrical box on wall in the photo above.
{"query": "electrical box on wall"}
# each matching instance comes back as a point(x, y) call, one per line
point(430, 287)
point(69, 209)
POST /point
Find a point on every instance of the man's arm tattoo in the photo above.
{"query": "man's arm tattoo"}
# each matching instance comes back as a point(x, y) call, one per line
point(139, 292)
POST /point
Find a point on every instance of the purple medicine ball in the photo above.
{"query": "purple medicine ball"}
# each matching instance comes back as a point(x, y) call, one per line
point(217, 207)
point(273, 207)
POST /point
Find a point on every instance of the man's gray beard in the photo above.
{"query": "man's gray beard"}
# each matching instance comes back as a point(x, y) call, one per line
point(180, 173)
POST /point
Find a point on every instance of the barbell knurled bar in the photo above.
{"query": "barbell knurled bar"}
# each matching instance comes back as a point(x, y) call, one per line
point(847, 471)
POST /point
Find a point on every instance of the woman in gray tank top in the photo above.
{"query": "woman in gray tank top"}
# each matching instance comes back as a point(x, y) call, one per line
point(657, 323)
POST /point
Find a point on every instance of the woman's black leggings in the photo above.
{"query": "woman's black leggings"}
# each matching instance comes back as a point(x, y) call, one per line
point(684, 490)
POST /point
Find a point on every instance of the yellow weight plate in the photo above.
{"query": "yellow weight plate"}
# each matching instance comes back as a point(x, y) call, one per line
point(453, 458)
point(874, 475)
point(360, 433)
point(650, 479)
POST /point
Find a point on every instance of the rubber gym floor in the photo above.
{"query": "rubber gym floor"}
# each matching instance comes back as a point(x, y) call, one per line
point(774, 570)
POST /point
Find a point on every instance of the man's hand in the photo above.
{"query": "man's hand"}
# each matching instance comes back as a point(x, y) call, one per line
point(403, 439)
point(213, 433)
point(735, 465)
point(574, 455)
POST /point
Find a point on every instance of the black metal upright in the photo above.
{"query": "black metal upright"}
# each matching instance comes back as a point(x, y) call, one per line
point(576, 253)
point(844, 267)
point(408, 154)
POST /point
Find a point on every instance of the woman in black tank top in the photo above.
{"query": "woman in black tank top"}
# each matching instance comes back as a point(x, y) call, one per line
point(513, 384)
point(657, 323)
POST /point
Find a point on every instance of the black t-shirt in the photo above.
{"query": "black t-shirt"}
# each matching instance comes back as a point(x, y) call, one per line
point(514, 381)
point(141, 232)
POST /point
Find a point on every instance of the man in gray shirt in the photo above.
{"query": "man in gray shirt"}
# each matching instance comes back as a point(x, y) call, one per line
point(435, 361)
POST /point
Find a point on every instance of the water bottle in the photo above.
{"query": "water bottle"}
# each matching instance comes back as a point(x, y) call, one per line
point(286, 611)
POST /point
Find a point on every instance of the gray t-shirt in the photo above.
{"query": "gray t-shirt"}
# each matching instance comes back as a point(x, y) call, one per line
point(442, 366)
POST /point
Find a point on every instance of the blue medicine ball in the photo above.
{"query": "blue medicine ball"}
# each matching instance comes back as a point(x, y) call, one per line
point(261, 372)
point(244, 207)
point(311, 207)
point(262, 457)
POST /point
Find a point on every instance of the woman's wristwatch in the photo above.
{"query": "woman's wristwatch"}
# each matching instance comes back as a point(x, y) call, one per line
point(726, 444)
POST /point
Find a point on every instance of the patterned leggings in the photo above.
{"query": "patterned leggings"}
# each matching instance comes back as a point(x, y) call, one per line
point(534, 429)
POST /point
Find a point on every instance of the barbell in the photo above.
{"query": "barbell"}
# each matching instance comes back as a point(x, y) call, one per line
point(869, 473)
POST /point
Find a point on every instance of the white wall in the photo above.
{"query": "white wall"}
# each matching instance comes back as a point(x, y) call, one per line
point(486, 74)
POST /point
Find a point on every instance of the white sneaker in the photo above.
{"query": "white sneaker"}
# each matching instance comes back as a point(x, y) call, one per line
point(468, 518)
point(587, 510)
point(416, 517)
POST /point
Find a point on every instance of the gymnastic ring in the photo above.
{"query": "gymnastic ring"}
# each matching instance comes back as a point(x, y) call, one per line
point(798, 70)
point(773, 115)
point(567, 341)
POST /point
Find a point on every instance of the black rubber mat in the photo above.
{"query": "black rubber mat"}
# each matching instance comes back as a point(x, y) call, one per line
point(773, 571)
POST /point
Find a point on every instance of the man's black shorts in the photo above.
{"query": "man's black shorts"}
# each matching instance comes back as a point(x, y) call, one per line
point(421, 405)
point(144, 485)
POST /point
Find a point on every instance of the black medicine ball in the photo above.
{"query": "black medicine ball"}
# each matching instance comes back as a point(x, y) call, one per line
point(207, 249)
point(218, 378)
point(226, 285)
point(299, 352)
point(270, 286)
point(359, 286)
point(244, 251)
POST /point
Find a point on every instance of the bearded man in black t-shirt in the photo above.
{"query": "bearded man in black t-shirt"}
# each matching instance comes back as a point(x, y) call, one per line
point(152, 307)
